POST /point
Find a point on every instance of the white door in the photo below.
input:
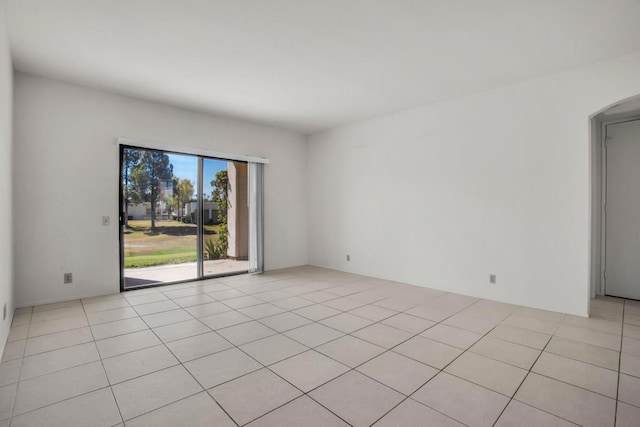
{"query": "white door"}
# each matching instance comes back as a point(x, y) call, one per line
point(622, 210)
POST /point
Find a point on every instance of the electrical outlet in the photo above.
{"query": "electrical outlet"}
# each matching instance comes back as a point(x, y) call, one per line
point(68, 278)
point(348, 257)
point(492, 279)
point(106, 220)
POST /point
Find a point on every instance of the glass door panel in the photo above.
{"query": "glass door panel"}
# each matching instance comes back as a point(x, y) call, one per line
point(160, 217)
point(226, 215)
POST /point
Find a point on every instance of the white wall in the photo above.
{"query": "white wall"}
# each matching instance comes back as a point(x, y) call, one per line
point(66, 179)
point(6, 234)
point(496, 182)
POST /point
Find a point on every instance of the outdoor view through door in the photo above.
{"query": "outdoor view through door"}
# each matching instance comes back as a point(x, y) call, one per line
point(183, 217)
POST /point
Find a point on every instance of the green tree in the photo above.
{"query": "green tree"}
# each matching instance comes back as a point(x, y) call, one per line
point(153, 169)
point(182, 193)
point(130, 159)
point(220, 195)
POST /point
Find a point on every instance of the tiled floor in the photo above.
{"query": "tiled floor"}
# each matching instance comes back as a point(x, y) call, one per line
point(313, 347)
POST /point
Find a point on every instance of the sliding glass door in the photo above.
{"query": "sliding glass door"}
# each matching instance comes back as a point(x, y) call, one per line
point(183, 217)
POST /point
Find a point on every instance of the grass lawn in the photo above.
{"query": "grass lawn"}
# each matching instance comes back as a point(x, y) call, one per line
point(172, 242)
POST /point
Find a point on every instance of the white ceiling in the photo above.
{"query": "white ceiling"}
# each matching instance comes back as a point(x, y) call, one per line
point(310, 65)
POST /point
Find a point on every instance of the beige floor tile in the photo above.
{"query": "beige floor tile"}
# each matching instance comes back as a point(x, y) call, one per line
point(632, 319)
point(221, 367)
point(191, 300)
point(589, 336)
point(398, 372)
point(273, 295)
point(121, 344)
point(319, 296)
point(583, 352)
point(225, 294)
point(261, 310)
point(629, 390)
point(208, 309)
point(313, 335)
point(590, 377)
point(21, 319)
point(59, 313)
point(176, 331)
point(520, 336)
point(631, 346)
point(58, 325)
point(285, 321)
point(630, 364)
point(148, 298)
point(536, 313)
point(595, 324)
point(199, 410)
point(187, 291)
point(224, 320)
point(534, 324)
point(44, 390)
point(101, 298)
point(106, 305)
point(518, 414)
point(156, 320)
point(246, 332)
point(309, 370)
point(144, 394)
point(119, 327)
point(566, 401)
point(253, 395)
point(13, 350)
point(317, 312)
point(628, 415)
point(346, 322)
point(155, 307)
point(97, 408)
point(7, 397)
point(356, 399)
point(301, 412)
point(198, 346)
point(344, 304)
point(412, 413)
point(373, 312)
point(18, 333)
point(431, 312)
point(453, 336)
point(461, 400)
point(273, 349)
point(57, 340)
point(489, 373)
point(631, 331)
point(408, 323)
point(58, 360)
point(242, 302)
point(292, 303)
point(111, 315)
point(350, 351)
point(428, 351)
point(137, 363)
point(398, 303)
point(10, 372)
point(472, 322)
point(56, 305)
point(505, 351)
point(382, 335)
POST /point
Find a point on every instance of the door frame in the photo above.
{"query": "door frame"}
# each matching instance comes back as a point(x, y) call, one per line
point(201, 155)
point(603, 199)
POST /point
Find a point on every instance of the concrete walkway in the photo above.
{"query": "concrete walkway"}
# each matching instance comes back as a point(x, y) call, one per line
point(178, 272)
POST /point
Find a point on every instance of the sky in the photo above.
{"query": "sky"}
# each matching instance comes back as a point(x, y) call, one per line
point(187, 167)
